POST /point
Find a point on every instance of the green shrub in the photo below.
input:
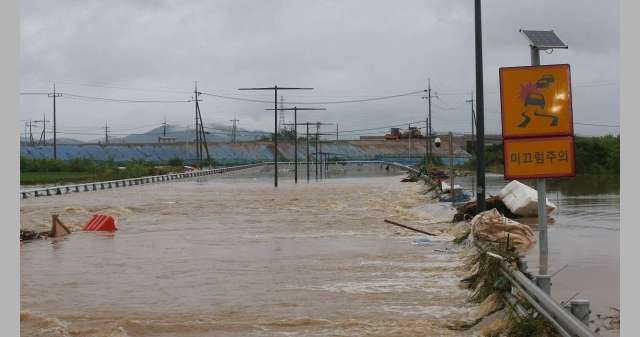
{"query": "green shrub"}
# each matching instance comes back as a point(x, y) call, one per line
point(176, 162)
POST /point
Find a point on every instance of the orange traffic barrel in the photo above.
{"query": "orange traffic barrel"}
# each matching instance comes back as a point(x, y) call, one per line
point(101, 222)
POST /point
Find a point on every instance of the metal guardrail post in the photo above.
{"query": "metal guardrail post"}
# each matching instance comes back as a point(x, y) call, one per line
point(544, 283)
point(580, 309)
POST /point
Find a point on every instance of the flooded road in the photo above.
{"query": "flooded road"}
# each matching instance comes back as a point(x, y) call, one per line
point(236, 257)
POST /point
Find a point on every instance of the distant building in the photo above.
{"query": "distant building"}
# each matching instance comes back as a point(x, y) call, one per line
point(166, 139)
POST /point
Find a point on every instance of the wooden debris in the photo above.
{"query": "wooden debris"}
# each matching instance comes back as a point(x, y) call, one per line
point(410, 228)
point(470, 209)
point(58, 229)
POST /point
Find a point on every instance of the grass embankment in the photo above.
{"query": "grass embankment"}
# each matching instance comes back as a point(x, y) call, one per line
point(48, 171)
point(594, 156)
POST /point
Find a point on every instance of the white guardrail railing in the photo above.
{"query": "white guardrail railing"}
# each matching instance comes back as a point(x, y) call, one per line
point(111, 184)
point(102, 185)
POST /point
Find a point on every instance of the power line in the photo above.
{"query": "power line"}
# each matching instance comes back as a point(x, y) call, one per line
point(595, 124)
point(323, 102)
point(382, 127)
point(118, 100)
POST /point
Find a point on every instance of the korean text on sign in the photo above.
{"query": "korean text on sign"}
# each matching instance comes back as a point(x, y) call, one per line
point(539, 157)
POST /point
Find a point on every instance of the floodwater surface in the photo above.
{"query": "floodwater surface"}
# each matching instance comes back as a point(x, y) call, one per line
point(236, 257)
point(584, 238)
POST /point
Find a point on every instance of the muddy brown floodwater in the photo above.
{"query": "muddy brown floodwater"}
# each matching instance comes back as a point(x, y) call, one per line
point(236, 257)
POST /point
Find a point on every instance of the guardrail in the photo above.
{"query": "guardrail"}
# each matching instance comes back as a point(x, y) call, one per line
point(102, 185)
point(560, 317)
point(111, 184)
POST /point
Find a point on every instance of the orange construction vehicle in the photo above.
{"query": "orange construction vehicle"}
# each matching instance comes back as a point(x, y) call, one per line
point(393, 135)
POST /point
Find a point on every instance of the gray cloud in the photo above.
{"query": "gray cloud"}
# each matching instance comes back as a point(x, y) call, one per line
point(343, 49)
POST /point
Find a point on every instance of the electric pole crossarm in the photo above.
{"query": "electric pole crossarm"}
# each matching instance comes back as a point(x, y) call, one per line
point(275, 122)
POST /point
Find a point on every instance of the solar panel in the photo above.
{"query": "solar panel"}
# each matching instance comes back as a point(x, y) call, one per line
point(543, 39)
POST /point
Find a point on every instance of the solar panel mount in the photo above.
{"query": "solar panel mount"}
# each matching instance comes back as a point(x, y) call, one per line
point(543, 39)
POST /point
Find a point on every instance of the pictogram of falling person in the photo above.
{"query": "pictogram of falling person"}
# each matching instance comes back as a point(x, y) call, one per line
point(533, 98)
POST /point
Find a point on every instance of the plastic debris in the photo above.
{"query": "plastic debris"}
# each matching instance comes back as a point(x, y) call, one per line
point(424, 241)
point(522, 200)
point(101, 222)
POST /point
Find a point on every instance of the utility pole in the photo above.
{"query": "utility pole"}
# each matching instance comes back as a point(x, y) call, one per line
point(480, 192)
point(473, 120)
point(308, 162)
point(452, 172)
point(234, 123)
point(321, 162)
point(316, 154)
point(410, 142)
point(203, 134)
point(164, 127)
point(55, 143)
point(295, 135)
point(427, 132)
point(30, 134)
point(106, 133)
point(282, 128)
point(275, 122)
point(43, 134)
point(317, 151)
point(197, 130)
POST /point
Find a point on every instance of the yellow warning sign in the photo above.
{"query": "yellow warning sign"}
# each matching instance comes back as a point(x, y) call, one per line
point(536, 101)
point(529, 158)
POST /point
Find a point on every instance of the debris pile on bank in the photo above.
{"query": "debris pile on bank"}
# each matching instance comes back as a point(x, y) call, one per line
point(501, 310)
point(491, 226)
point(515, 200)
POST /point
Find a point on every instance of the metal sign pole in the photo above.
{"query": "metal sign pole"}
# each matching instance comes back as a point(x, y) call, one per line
point(543, 267)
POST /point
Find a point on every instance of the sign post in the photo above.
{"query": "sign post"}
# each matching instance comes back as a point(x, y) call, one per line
point(537, 131)
point(541, 187)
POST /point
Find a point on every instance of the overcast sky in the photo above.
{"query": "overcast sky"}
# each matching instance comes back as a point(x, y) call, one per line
point(156, 49)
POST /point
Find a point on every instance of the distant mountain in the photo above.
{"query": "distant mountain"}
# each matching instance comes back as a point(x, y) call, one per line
point(60, 141)
point(214, 132)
